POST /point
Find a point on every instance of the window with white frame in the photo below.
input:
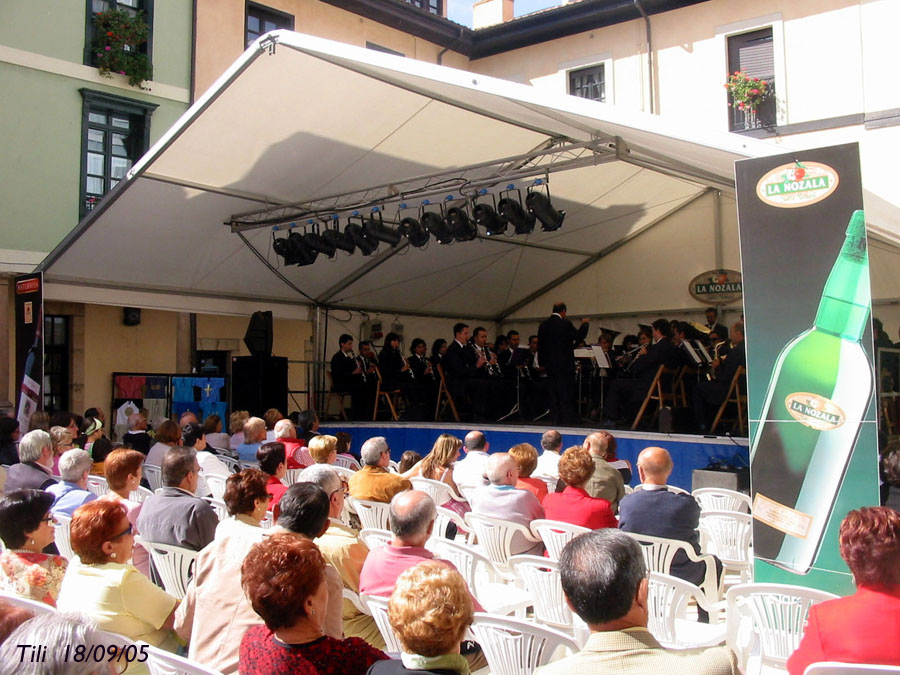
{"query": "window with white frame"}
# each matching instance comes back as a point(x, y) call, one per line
point(589, 82)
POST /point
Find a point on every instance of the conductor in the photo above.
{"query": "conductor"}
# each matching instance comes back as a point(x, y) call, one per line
point(557, 338)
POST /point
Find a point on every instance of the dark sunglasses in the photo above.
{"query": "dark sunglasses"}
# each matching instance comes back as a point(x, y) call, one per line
point(122, 534)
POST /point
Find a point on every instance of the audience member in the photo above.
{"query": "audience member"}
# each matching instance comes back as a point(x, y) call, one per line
point(574, 505)
point(890, 468)
point(236, 422)
point(254, 436)
point(408, 460)
point(39, 419)
point(26, 527)
point(215, 613)
point(605, 582)
point(74, 468)
point(67, 420)
point(344, 444)
point(187, 417)
point(95, 443)
point(307, 425)
point(623, 466)
point(175, 515)
point(271, 417)
point(501, 499)
point(323, 449)
point(137, 437)
point(11, 617)
point(193, 436)
point(430, 611)
point(60, 440)
point(168, 436)
point(342, 548)
point(123, 469)
point(551, 442)
point(294, 449)
point(272, 461)
point(106, 587)
point(9, 438)
point(373, 482)
point(470, 470)
point(35, 461)
point(606, 481)
point(438, 465)
point(863, 627)
point(216, 441)
point(526, 457)
point(284, 578)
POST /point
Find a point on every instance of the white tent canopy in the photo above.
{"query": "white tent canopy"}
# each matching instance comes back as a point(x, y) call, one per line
point(300, 127)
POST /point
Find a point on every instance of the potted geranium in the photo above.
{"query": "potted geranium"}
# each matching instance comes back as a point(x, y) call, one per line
point(746, 94)
point(119, 37)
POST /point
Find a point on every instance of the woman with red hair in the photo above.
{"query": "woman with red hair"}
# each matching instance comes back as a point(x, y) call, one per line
point(863, 627)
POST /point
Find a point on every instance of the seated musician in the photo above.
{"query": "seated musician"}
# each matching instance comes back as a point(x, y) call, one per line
point(708, 396)
point(348, 376)
point(486, 387)
point(397, 374)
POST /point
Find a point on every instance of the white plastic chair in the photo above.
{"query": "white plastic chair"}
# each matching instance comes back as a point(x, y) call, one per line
point(153, 474)
point(216, 484)
point(218, 506)
point(378, 608)
point(97, 485)
point(247, 464)
point(721, 499)
point(61, 536)
point(174, 565)
point(442, 521)
point(659, 552)
point(34, 606)
point(140, 494)
point(161, 662)
point(374, 538)
point(667, 601)
point(347, 463)
point(291, 477)
point(770, 616)
point(466, 490)
point(517, 647)
point(837, 668)
point(541, 578)
point(671, 488)
point(375, 515)
point(555, 534)
point(484, 580)
point(393, 467)
point(726, 534)
point(439, 492)
point(342, 471)
point(233, 464)
point(550, 481)
point(495, 537)
point(353, 597)
point(267, 521)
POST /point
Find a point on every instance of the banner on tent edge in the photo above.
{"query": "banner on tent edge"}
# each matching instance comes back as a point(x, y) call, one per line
point(29, 303)
point(807, 306)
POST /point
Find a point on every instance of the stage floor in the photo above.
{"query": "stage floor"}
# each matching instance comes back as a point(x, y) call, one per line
point(689, 452)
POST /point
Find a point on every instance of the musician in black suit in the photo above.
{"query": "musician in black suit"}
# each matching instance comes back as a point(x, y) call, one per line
point(557, 338)
point(708, 396)
point(626, 394)
point(712, 323)
point(348, 375)
point(397, 373)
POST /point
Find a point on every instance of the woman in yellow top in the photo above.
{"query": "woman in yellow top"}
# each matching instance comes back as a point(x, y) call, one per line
point(109, 589)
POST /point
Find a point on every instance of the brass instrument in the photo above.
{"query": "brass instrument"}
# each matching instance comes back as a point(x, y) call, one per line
point(711, 374)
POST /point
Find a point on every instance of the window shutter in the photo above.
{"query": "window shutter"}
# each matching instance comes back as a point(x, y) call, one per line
point(753, 53)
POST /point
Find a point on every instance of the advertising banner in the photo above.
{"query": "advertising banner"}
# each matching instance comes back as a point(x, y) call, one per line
point(807, 304)
point(29, 345)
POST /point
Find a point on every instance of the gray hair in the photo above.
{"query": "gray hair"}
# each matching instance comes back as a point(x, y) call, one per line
point(133, 420)
point(54, 630)
point(32, 444)
point(372, 449)
point(551, 440)
point(411, 513)
point(74, 463)
point(600, 573)
point(284, 429)
point(322, 475)
point(497, 466)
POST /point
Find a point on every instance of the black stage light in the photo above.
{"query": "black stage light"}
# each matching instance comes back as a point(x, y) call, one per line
point(462, 227)
point(318, 243)
point(539, 206)
point(511, 211)
point(339, 240)
point(412, 229)
point(435, 224)
point(365, 245)
point(486, 216)
point(375, 228)
point(299, 251)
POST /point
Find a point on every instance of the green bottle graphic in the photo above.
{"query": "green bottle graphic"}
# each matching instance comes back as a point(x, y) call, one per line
point(815, 403)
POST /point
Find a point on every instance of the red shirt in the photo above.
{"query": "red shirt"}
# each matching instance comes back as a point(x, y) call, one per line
point(262, 654)
point(535, 486)
point(275, 488)
point(574, 505)
point(295, 458)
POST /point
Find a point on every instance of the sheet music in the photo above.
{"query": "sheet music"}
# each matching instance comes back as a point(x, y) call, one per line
point(600, 356)
point(703, 351)
point(693, 354)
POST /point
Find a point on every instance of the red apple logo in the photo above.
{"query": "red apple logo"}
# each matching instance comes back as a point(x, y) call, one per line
point(799, 171)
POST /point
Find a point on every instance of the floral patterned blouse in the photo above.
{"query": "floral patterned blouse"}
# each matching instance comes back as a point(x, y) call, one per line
point(32, 575)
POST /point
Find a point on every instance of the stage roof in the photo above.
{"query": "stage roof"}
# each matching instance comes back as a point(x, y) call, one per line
point(300, 127)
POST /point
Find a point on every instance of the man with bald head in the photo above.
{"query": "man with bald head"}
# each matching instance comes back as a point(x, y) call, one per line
point(606, 482)
point(656, 511)
point(470, 470)
point(501, 499)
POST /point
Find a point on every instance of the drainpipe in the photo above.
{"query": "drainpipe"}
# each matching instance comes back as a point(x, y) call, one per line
point(440, 56)
point(640, 8)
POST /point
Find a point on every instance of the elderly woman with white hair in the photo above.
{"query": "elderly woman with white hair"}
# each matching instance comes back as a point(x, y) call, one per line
point(72, 492)
point(35, 463)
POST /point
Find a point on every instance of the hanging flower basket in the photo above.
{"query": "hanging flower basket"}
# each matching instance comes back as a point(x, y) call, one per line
point(746, 94)
point(118, 42)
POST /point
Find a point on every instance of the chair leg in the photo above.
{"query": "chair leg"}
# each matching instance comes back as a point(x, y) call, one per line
point(377, 397)
point(387, 397)
point(343, 408)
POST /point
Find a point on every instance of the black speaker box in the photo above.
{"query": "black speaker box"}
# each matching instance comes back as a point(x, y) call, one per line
point(259, 383)
point(258, 337)
point(131, 316)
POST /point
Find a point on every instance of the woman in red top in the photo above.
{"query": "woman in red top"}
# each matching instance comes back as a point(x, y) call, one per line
point(284, 578)
point(526, 457)
point(271, 458)
point(863, 627)
point(574, 505)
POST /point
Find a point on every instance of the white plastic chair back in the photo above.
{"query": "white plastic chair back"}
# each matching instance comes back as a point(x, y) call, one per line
point(342, 471)
point(721, 499)
point(442, 521)
point(836, 668)
point(33, 606)
point(233, 464)
point(291, 477)
point(218, 506)
point(97, 485)
point(375, 515)
point(659, 552)
point(216, 485)
point(140, 494)
point(467, 490)
point(346, 463)
point(517, 647)
point(393, 467)
point(667, 600)
point(671, 488)
point(353, 597)
point(161, 662)
point(374, 538)
point(628, 489)
point(495, 537)
point(439, 492)
point(247, 464)
point(541, 578)
point(772, 615)
point(153, 474)
point(550, 481)
point(267, 521)
point(61, 536)
point(378, 608)
point(174, 565)
point(727, 535)
point(555, 534)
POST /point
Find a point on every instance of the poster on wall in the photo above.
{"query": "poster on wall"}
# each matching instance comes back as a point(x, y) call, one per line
point(807, 305)
point(29, 345)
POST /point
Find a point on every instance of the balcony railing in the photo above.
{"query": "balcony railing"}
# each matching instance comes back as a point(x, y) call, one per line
point(765, 116)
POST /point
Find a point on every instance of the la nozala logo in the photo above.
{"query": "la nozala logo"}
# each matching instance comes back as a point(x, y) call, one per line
point(790, 186)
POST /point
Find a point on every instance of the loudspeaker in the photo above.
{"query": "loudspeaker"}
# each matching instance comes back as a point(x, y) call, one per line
point(258, 337)
point(131, 316)
point(259, 383)
point(730, 479)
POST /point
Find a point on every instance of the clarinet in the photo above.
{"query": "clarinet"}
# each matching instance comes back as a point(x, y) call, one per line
point(492, 368)
point(361, 363)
